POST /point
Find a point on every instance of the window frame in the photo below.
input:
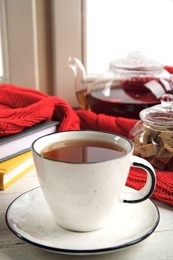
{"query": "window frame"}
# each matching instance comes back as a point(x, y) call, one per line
point(4, 42)
point(67, 27)
point(41, 61)
point(25, 43)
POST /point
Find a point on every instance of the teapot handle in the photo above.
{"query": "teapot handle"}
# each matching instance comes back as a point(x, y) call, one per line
point(79, 73)
point(81, 86)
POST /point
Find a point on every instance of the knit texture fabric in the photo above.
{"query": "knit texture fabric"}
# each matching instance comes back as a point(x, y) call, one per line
point(23, 107)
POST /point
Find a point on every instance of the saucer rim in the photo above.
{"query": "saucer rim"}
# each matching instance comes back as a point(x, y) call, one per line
point(81, 251)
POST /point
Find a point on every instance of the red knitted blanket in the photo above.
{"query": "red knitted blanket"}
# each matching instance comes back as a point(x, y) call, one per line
point(23, 107)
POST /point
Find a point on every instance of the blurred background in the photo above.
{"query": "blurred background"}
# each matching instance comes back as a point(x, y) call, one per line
point(38, 36)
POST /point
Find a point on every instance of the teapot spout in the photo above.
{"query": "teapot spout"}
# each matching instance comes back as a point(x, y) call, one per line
point(80, 81)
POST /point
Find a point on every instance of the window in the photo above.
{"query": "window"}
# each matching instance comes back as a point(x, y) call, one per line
point(144, 25)
point(115, 27)
point(42, 34)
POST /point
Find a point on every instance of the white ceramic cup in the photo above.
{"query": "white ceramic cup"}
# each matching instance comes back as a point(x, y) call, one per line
point(84, 196)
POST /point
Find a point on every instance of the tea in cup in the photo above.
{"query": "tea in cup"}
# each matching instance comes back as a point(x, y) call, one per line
point(82, 175)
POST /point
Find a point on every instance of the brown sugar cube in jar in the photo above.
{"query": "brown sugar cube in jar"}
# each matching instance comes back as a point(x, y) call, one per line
point(149, 150)
point(166, 141)
point(165, 135)
point(165, 153)
point(170, 164)
point(157, 163)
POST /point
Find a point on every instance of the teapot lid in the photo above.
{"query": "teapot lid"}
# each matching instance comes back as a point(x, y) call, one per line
point(136, 60)
point(160, 115)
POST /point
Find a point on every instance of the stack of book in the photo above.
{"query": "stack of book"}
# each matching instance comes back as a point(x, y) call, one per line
point(15, 152)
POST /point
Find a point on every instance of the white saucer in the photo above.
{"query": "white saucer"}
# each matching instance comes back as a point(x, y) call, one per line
point(29, 218)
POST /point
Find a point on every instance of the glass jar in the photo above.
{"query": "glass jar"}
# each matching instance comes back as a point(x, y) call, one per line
point(152, 136)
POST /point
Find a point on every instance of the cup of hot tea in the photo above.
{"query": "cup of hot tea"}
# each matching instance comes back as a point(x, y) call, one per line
point(82, 175)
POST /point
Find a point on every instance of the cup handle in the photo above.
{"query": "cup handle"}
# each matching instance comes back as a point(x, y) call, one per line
point(148, 189)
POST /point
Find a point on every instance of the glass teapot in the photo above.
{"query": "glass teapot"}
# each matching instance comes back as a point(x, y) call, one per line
point(130, 85)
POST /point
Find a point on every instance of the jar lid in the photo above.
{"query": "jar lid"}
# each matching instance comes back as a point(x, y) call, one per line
point(136, 60)
point(160, 115)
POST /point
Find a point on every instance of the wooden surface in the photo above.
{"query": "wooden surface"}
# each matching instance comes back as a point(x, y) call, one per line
point(158, 246)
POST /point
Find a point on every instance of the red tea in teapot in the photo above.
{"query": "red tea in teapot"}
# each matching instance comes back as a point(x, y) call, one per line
point(127, 98)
